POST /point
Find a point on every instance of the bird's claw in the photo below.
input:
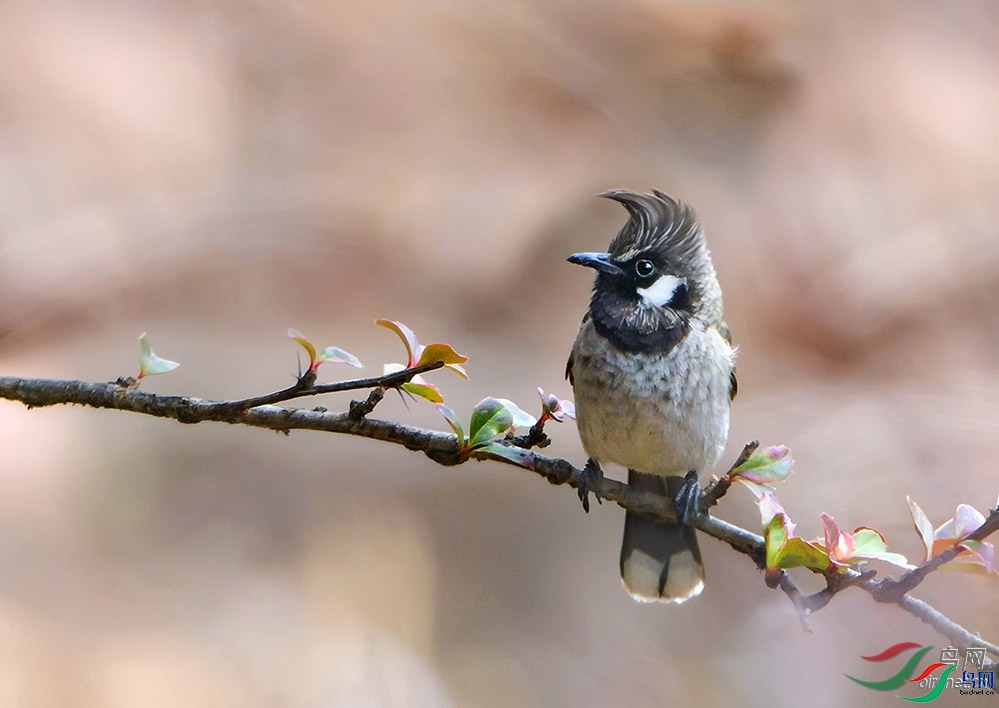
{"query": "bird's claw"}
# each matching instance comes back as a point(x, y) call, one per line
point(688, 499)
point(590, 481)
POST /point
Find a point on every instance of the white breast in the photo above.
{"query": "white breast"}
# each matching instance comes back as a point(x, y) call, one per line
point(653, 413)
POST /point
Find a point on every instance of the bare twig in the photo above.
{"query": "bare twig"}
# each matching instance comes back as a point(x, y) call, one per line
point(785, 583)
point(958, 635)
point(719, 486)
point(359, 409)
point(536, 436)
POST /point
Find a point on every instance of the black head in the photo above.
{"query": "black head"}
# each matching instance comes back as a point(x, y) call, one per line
point(655, 277)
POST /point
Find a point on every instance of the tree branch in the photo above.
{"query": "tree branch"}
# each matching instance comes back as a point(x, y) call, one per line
point(444, 448)
point(891, 590)
point(306, 386)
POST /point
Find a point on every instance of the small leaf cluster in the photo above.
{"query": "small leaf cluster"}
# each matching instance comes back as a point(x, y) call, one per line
point(495, 418)
point(328, 354)
point(975, 556)
point(492, 418)
point(837, 549)
point(418, 355)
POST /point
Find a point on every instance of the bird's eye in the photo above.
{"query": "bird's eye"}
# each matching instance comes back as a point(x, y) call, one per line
point(644, 268)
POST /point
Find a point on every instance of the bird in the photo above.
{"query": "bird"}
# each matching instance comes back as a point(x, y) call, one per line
point(653, 375)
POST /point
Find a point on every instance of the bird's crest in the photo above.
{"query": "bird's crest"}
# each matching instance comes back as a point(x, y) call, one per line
point(657, 221)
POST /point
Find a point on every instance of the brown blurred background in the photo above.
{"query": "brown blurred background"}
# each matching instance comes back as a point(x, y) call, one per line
point(214, 172)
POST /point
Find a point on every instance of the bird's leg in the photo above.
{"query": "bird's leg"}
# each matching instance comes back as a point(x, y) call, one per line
point(591, 480)
point(688, 498)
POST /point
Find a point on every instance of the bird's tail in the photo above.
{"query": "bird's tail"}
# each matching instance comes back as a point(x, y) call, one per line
point(660, 561)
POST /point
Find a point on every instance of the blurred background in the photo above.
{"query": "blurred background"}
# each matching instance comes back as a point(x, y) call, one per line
point(214, 172)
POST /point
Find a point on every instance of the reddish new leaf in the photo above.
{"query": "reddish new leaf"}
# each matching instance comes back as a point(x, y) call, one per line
point(765, 466)
point(446, 354)
point(308, 346)
point(975, 556)
point(408, 338)
point(862, 545)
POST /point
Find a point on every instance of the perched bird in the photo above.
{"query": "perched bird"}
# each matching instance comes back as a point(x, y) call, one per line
point(653, 372)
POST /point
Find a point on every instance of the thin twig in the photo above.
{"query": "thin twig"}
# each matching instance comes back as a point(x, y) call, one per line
point(785, 583)
point(359, 409)
point(305, 386)
point(536, 436)
point(892, 590)
point(958, 635)
point(719, 486)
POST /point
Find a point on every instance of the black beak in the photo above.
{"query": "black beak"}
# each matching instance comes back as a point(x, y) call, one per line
point(597, 261)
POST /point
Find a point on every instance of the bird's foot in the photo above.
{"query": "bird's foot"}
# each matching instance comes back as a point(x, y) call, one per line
point(590, 480)
point(688, 499)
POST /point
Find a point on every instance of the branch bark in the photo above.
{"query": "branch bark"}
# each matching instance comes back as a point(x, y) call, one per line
point(444, 448)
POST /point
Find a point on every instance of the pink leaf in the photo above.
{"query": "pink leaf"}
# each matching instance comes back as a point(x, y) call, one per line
point(408, 338)
point(967, 520)
point(923, 527)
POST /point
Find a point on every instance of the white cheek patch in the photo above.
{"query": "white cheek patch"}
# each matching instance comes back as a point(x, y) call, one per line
point(661, 292)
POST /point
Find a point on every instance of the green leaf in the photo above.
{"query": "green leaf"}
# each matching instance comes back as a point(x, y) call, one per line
point(489, 420)
point(149, 363)
point(306, 345)
point(453, 421)
point(867, 541)
point(775, 535)
point(797, 552)
point(521, 418)
point(408, 338)
point(869, 544)
point(446, 354)
point(784, 550)
point(417, 386)
point(424, 390)
point(766, 465)
point(339, 356)
point(517, 455)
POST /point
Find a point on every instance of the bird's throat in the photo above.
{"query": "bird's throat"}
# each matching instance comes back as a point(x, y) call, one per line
point(635, 331)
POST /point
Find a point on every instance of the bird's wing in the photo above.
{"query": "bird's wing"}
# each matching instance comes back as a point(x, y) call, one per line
point(733, 381)
point(568, 364)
